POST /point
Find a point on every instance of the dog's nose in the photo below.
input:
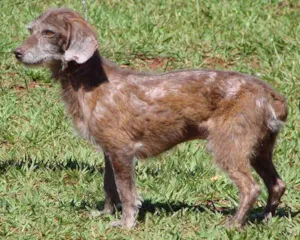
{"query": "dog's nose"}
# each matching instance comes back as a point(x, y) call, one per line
point(19, 53)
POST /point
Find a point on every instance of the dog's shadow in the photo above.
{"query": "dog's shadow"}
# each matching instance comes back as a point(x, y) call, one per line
point(49, 165)
point(170, 208)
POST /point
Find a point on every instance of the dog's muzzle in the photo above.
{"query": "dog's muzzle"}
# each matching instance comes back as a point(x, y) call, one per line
point(19, 53)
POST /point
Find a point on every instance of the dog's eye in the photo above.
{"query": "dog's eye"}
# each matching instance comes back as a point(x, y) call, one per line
point(48, 33)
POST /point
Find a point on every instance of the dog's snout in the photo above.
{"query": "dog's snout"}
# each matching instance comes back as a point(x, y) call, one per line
point(19, 52)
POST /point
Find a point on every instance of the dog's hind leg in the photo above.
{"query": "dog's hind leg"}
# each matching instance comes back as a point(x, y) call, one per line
point(264, 166)
point(239, 172)
point(249, 191)
point(232, 143)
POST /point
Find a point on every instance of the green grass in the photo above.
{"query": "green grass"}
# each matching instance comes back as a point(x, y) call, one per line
point(50, 179)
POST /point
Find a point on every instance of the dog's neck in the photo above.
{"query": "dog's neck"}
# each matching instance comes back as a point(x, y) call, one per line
point(88, 75)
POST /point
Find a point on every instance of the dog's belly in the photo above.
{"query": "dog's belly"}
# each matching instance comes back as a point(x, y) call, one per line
point(159, 141)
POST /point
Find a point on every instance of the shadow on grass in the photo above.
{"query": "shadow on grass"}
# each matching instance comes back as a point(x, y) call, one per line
point(169, 208)
point(256, 215)
point(49, 165)
point(157, 207)
point(172, 207)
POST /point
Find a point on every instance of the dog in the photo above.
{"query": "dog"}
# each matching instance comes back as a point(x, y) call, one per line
point(134, 115)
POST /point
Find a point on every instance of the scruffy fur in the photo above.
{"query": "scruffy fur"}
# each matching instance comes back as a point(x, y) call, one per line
point(132, 115)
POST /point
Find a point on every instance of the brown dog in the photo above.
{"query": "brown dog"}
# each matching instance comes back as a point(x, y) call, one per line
point(136, 115)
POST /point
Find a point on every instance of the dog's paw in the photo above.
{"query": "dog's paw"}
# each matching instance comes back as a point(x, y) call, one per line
point(267, 216)
point(233, 223)
point(97, 213)
point(122, 224)
point(263, 216)
point(118, 223)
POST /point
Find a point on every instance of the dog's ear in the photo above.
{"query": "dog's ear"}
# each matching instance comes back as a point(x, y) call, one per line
point(82, 42)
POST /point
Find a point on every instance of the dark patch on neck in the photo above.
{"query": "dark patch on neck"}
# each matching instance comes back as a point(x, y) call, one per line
point(87, 75)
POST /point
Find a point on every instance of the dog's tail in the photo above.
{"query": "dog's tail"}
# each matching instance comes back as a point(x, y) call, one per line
point(276, 110)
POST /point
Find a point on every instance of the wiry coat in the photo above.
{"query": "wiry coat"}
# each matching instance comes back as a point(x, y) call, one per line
point(137, 115)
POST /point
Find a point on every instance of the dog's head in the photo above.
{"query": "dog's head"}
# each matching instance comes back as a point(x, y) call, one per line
point(60, 34)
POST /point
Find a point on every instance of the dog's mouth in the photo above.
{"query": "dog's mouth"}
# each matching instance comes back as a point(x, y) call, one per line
point(34, 62)
point(31, 63)
point(30, 58)
point(34, 65)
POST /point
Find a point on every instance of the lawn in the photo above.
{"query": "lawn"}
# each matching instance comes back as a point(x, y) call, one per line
point(50, 179)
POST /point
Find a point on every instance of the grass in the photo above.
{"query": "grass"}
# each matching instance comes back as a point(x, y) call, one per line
point(50, 179)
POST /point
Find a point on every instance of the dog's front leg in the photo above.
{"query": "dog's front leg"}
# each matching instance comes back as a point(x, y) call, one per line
point(112, 199)
point(124, 173)
point(111, 194)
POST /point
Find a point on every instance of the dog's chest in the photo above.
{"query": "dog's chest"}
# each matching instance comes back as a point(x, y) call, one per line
point(78, 107)
point(82, 128)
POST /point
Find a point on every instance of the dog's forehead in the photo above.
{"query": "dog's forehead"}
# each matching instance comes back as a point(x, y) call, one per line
point(39, 25)
point(54, 17)
point(38, 22)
